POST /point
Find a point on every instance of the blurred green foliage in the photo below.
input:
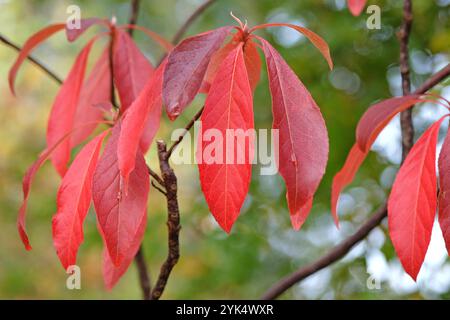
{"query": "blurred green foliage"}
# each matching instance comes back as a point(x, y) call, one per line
point(262, 246)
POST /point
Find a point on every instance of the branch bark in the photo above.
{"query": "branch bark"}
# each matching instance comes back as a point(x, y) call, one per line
point(339, 251)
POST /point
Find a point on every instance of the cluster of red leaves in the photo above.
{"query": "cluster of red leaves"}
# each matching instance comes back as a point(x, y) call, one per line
point(413, 200)
point(356, 6)
point(117, 179)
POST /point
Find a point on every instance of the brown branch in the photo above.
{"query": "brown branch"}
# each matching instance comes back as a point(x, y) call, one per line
point(133, 15)
point(339, 251)
point(186, 130)
point(173, 220)
point(144, 276)
point(182, 30)
point(36, 62)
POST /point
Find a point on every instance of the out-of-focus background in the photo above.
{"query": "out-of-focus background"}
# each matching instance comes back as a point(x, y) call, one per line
point(262, 246)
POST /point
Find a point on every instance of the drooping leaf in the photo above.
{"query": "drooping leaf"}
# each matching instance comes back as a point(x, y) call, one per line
point(412, 202)
point(229, 105)
point(140, 124)
point(253, 63)
point(356, 6)
point(444, 192)
point(61, 120)
point(73, 201)
point(315, 39)
point(111, 273)
point(345, 176)
point(29, 45)
point(378, 116)
point(119, 214)
point(73, 34)
point(303, 149)
point(299, 218)
point(186, 67)
point(131, 68)
point(96, 91)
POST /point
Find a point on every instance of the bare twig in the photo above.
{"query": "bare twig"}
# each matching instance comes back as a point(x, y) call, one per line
point(133, 15)
point(157, 187)
point(36, 62)
point(186, 130)
point(144, 276)
point(173, 220)
point(339, 251)
point(182, 30)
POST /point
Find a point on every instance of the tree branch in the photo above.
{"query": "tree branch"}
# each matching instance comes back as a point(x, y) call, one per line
point(173, 220)
point(339, 251)
point(144, 276)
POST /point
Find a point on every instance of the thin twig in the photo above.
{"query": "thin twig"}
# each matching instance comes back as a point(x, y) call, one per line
point(36, 62)
point(182, 30)
point(133, 15)
point(186, 130)
point(339, 251)
point(159, 188)
point(144, 276)
point(173, 220)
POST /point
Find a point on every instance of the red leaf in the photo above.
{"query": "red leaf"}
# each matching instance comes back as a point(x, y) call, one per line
point(111, 273)
point(378, 116)
point(140, 124)
point(315, 39)
point(303, 150)
point(229, 105)
point(345, 176)
point(73, 201)
point(131, 68)
point(96, 91)
point(299, 218)
point(186, 68)
point(119, 214)
point(61, 120)
point(444, 192)
point(73, 34)
point(253, 63)
point(29, 45)
point(412, 202)
point(356, 6)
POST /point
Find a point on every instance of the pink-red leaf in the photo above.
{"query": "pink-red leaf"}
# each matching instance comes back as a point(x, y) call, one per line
point(140, 124)
point(72, 34)
point(61, 120)
point(303, 150)
point(378, 116)
point(111, 273)
point(444, 192)
point(131, 68)
point(186, 68)
point(95, 92)
point(253, 63)
point(315, 39)
point(412, 202)
point(228, 106)
point(29, 45)
point(356, 6)
point(299, 218)
point(119, 213)
point(345, 176)
point(73, 201)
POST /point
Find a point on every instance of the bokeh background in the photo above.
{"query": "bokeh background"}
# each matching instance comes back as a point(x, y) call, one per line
point(262, 246)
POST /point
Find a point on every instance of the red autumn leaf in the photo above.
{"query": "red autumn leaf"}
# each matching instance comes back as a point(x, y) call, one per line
point(186, 68)
point(111, 273)
point(412, 202)
point(345, 176)
point(61, 120)
point(303, 150)
point(444, 192)
point(73, 201)
point(299, 218)
point(140, 124)
point(378, 116)
point(356, 6)
point(229, 105)
point(119, 214)
point(96, 91)
point(253, 63)
point(72, 34)
point(315, 39)
point(131, 68)
point(29, 45)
